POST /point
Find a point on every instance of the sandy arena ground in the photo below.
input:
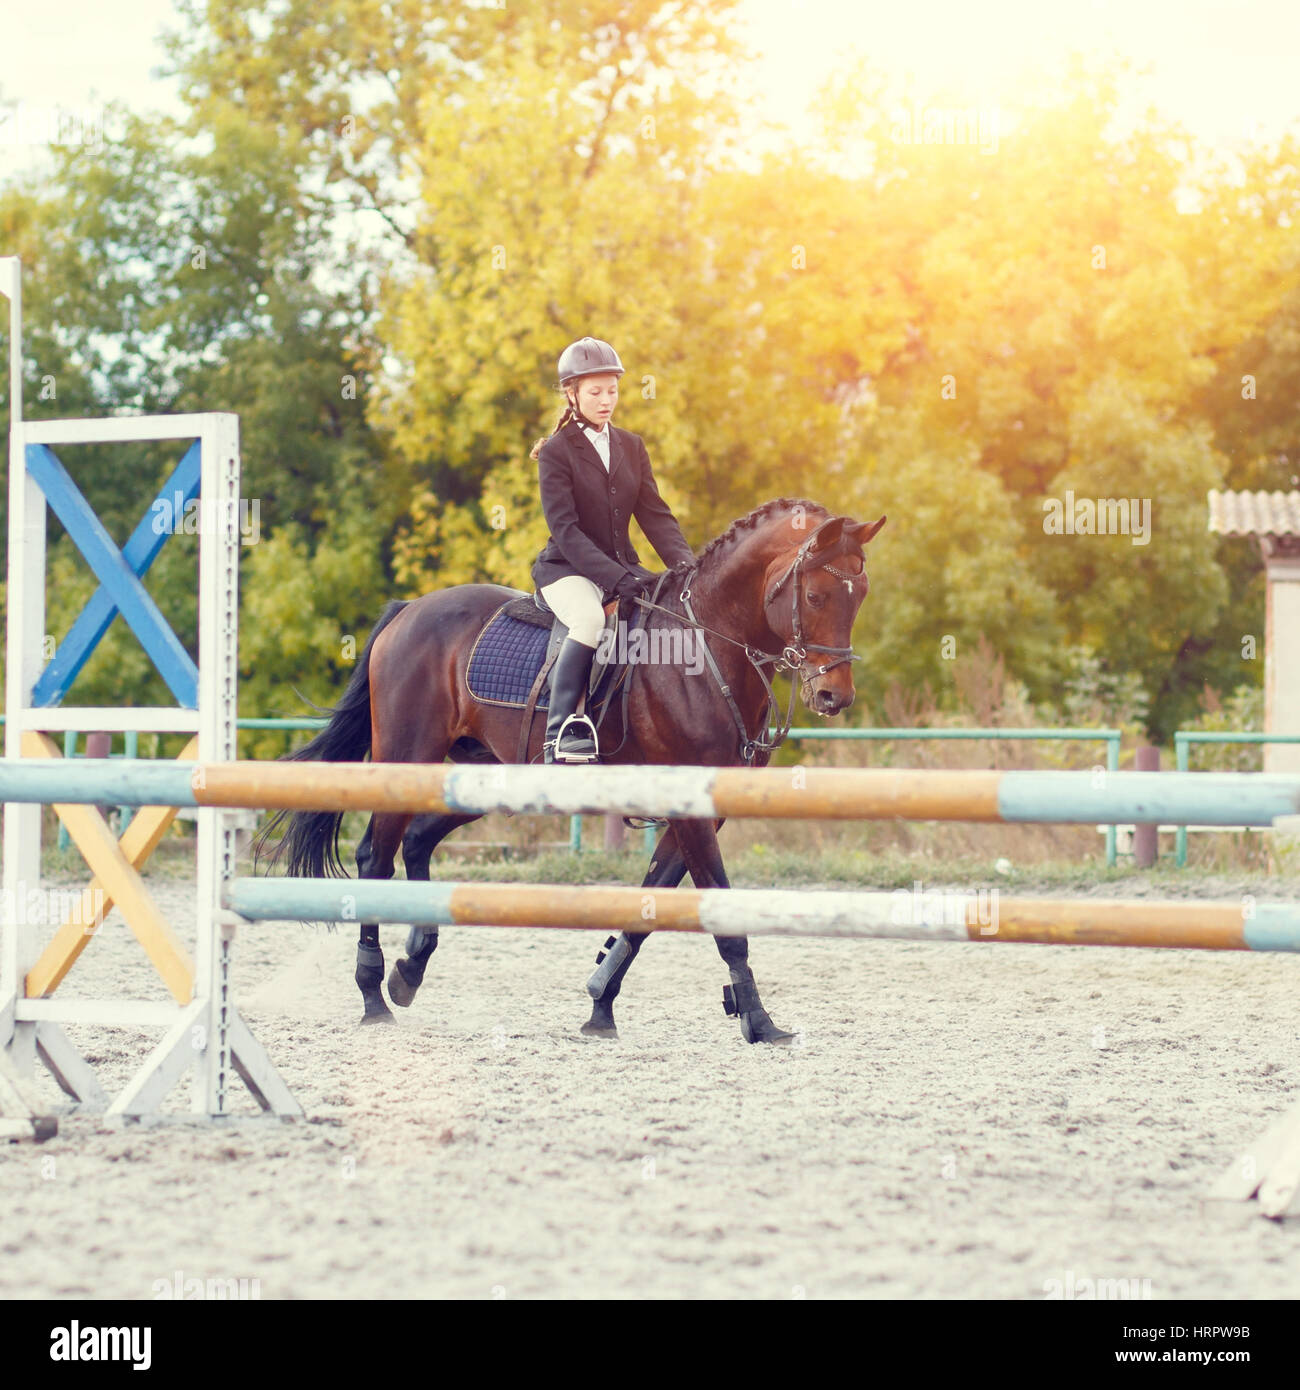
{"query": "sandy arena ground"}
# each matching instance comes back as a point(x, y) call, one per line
point(954, 1123)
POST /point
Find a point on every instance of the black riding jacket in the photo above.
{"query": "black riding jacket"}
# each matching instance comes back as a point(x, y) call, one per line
point(589, 511)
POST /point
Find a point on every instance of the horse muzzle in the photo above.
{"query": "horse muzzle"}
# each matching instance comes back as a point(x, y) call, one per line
point(825, 695)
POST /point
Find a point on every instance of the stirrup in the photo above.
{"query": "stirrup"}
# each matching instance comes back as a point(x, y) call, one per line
point(564, 756)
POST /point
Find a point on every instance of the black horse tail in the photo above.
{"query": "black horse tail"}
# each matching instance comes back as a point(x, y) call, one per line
point(311, 839)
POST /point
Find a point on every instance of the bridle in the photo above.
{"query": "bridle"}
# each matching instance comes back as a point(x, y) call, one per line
point(796, 652)
point(793, 657)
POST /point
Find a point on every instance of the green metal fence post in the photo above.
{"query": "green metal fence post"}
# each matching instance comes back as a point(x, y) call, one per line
point(131, 749)
point(1182, 761)
point(69, 751)
point(1112, 765)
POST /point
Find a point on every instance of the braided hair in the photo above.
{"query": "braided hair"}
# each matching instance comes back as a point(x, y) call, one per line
point(567, 416)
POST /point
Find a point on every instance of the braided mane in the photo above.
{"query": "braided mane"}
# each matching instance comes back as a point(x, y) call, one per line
point(737, 531)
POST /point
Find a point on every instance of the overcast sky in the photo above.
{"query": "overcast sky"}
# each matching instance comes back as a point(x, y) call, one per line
point(1227, 69)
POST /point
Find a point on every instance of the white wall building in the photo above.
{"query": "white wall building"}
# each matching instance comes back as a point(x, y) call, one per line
point(1273, 518)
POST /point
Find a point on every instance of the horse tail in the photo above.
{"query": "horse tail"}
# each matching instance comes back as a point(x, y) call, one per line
point(311, 839)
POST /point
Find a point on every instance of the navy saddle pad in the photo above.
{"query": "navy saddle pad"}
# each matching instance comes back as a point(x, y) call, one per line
point(506, 659)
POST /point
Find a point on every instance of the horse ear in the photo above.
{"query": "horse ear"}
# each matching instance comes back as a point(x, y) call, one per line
point(864, 531)
point(828, 533)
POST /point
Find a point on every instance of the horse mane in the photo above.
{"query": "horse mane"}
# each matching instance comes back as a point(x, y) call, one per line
point(738, 529)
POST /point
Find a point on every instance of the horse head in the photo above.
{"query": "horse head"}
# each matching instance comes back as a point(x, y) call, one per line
point(812, 591)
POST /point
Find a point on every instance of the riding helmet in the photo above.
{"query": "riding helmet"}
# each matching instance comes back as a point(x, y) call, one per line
point(588, 357)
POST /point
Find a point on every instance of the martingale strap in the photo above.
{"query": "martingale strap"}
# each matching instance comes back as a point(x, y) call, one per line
point(748, 746)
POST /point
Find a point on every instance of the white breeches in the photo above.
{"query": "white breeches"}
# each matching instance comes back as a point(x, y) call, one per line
point(576, 601)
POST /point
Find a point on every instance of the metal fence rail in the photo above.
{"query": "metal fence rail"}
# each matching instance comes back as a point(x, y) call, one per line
point(1183, 742)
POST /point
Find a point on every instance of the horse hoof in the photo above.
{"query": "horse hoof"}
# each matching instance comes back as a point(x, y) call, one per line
point(381, 1015)
point(400, 989)
point(597, 1030)
point(757, 1027)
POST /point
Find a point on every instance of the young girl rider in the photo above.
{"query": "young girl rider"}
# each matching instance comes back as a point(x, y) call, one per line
point(594, 479)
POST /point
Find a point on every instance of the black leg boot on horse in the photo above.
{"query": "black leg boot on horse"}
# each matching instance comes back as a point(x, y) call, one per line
point(667, 868)
point(408, 973)
point(570, 737)
point(370, 975)
point(698, 843)
point(740, 999)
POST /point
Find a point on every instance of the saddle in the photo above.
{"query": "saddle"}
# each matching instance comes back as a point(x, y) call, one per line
point(511, 660)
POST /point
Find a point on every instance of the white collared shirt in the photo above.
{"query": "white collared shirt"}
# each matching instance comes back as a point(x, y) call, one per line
point(600, 439)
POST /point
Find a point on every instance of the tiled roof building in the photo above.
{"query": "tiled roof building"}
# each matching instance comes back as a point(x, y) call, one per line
point(1255, 513)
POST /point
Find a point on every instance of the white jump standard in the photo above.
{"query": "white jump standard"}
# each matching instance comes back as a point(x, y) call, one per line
point(204, 1034)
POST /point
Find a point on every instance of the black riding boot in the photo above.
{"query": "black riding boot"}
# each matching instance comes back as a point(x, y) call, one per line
point(568, 681)
point(740, 999)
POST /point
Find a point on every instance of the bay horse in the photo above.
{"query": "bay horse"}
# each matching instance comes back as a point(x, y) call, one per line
point(784, 581)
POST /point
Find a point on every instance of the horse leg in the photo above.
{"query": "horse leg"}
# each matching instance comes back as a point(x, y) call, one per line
point(421, 839)
point(376, 856)
point(666, 869)
point(699, 843)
